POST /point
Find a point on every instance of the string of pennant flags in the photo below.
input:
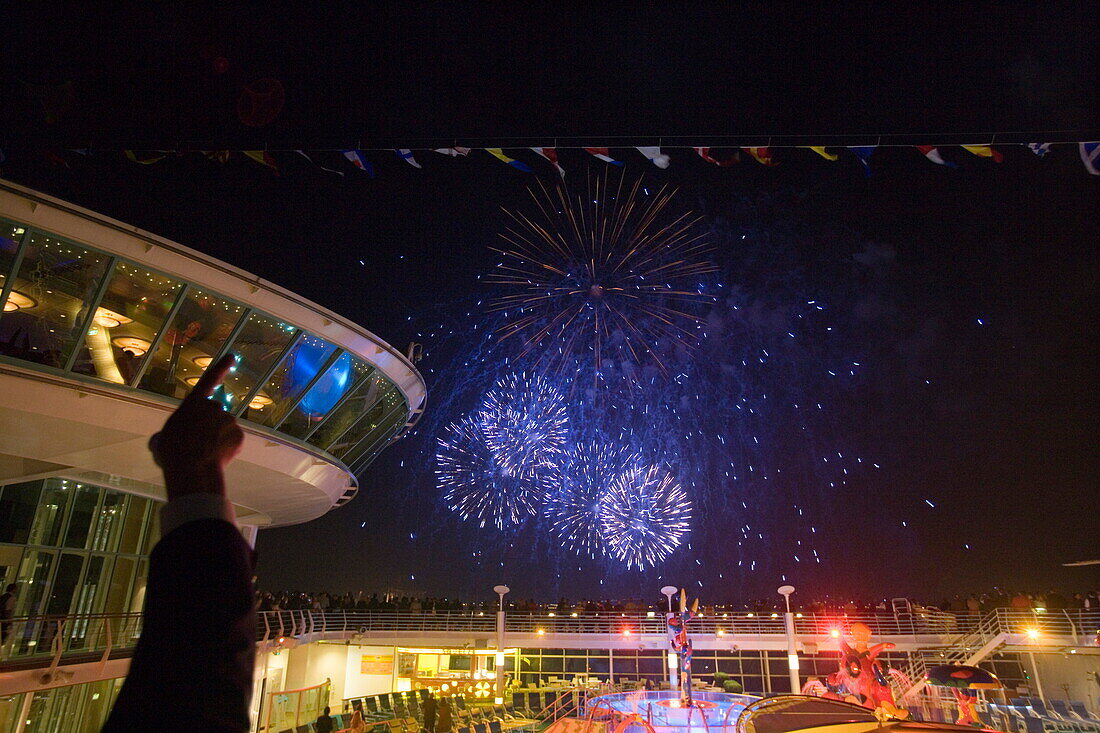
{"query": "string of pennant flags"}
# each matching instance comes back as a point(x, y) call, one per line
point(361, 159)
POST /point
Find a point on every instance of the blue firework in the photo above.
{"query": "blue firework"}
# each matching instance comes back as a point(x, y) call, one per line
point(573, 509)
point(525, 422)
point(645, 516)
point(477, 485)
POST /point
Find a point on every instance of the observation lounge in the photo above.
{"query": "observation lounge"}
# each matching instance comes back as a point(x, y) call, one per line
point(104, 328)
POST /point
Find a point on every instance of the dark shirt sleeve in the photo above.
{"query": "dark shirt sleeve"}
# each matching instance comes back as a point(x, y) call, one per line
point(192, 669)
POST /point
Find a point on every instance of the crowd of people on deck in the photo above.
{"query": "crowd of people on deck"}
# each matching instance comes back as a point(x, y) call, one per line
point(974, 603)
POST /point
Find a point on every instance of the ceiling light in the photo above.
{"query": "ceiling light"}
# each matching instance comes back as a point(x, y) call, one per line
point(203, 361)
point(109, 318)
point(17, 300)
point(260, 401)
point(133, 344)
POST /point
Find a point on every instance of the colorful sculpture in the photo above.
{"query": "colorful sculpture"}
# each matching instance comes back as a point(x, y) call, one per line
point(681, 644)
point(862, 679)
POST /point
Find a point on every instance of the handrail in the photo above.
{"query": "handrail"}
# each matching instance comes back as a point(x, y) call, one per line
point(951, 629)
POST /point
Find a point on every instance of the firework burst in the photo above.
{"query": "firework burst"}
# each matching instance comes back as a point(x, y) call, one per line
point(574, 508)
point(608, 275)
point(525, 422)
point(644, 517)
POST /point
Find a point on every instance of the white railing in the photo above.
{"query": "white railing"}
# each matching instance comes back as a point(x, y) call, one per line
point(35, 638)
point(292, 623)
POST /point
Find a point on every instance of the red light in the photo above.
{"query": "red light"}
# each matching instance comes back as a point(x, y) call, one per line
point(835, 633)
point(626, 632)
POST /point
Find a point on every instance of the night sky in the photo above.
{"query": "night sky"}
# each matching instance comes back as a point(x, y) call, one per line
point(970, 295)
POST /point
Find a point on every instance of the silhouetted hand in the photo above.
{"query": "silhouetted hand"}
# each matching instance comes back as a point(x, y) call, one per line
point(199, 439)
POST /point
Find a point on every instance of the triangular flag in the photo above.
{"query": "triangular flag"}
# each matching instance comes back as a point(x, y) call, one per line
point(1039, 149)
point(655, 156)
point(551, 154)
point(706, 155)
point(330, 170)
point(983, 151)
point(603, 154)
point(762, 155)
point(864, 152)
point(1089, 156)
point(933, 154)
point(453, 152)
point(498, 153)
point(359, 161)
point(263, 158)
point(820, 150)
point(145, 157)
point(407, 155)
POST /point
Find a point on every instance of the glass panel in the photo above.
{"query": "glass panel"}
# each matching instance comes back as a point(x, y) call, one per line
point(10, 707)
point(119, 592)
point(135, 521)
point(94, 588)
point(10, 235)
point(126, 321)
point(108, 523)
point(34, 572)
point(17, 506)
point(382, 431)
point(80, 518)
point(137, 595)
point(152, 530)
point(324, 395)
point(64, 583)
point(56, 280)
point(290, 379)
point(51, 512)
point(196, 334)
point(365, 395)
point(257, 347)
point(388, 395)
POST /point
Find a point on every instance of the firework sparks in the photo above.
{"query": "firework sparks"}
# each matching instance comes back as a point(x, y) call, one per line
point(612, 275)
point(525, 422)
point(574, 509)
point(645, 516)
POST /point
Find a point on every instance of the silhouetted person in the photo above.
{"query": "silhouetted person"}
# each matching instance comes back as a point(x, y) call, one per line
point(428, 709)
point(324, 723)
point(192, 668)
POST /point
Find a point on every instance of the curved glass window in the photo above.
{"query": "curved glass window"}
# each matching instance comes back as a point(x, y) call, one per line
point(196, 334)
point(259, 344)
point(127, 320)
point(345, 415)
point(294, 375)
point(325, 394)
point(52, 292)
point(78, 309)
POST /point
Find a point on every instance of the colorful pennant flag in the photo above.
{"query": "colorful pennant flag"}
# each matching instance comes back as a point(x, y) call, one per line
point(820, 150)
point(330, 170)
point(551, 154)
point(762, 155)
point(654, 155)
point(263, 158)
point(407, 155)
point(453, 152)
point(603, 154)
point(984, 151)
point(1089, 156)
point(1039, 149)
point(864, 152)
point(933, 154)
point(146, 157)
point(498, 153)
point(360, 161)
point(706, 155)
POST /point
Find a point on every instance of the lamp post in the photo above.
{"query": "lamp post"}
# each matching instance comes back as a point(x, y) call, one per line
point(792, 646)
point(500, 590)
point(673, 659)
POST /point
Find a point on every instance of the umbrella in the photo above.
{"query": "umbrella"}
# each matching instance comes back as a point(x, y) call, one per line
point(962, 677)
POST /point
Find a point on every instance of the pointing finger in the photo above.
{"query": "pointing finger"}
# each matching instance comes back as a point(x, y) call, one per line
point(212, 377)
